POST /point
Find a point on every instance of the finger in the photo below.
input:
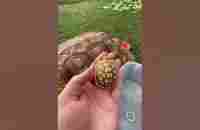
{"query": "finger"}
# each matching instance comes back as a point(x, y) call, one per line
point(111, 55)
point(74, 88)
point(117, 82)
point(81, 79)
point(100, 56)
point(118, 64)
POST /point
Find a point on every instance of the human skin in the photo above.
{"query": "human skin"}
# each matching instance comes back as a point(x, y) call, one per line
point(83, 106)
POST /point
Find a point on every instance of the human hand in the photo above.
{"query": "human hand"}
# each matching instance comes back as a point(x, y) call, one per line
point(83, 106)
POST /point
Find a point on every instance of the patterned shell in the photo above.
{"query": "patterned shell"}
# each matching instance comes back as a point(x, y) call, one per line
point(76, 54)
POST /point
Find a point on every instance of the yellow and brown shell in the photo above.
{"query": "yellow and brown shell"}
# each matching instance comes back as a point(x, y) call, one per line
point(77, 54)
point(105, 73)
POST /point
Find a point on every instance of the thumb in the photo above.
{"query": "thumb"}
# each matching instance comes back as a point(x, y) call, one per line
point(74, 87)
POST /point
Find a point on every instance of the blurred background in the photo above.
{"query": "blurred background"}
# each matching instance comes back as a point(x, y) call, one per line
point(120, 17)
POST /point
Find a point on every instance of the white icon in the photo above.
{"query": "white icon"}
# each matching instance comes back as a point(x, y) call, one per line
point(131, 117)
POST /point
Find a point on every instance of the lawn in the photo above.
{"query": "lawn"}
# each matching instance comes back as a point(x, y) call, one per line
point(88, 16)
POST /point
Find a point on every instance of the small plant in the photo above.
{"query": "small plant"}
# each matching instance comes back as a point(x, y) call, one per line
point(124, 5)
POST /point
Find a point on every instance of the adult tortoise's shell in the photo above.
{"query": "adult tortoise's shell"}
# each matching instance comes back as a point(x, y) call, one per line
point(76, 54)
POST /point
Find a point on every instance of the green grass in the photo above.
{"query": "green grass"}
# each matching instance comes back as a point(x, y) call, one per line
point(87, 16)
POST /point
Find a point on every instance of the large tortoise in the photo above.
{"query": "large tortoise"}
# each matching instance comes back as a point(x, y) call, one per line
point(76, 54)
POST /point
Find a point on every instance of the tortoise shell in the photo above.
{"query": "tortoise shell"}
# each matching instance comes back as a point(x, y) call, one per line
point(105, 73)
point(76, 54)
